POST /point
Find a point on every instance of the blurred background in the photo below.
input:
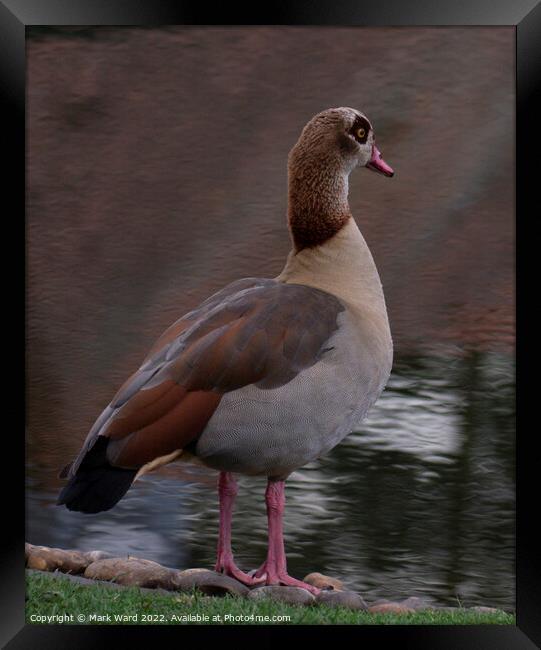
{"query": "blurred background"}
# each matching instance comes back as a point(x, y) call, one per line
point(156, 174)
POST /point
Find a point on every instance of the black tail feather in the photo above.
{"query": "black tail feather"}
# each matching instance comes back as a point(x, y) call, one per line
point(97, 485)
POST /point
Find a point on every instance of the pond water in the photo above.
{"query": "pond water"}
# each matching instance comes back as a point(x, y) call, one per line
point(421, 501)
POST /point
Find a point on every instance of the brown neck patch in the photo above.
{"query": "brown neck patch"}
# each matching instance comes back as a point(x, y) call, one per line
point(318, 201)
point(309, 230)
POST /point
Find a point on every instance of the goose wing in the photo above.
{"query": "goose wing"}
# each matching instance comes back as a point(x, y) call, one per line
point(254, 331)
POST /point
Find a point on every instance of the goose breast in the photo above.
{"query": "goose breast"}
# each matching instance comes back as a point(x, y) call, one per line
point(272, 432)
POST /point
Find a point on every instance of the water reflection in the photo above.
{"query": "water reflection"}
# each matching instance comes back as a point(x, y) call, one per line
point(420, 502)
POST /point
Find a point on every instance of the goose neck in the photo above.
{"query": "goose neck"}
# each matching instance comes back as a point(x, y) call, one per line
point(318, 205)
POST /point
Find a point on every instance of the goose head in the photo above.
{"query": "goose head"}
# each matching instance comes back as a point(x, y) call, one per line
point(342, 138)
point(330, 147)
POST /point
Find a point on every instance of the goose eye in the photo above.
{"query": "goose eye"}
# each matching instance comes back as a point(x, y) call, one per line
point(361, 133)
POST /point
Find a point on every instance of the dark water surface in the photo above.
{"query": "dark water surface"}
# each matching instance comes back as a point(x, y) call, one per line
point(420, 502)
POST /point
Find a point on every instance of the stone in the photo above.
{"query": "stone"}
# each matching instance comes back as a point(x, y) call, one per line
point(416, 603)
point(55, 559)
point(133, 572)
point(323, 582)
point(78, 579)
point(485, 610)
point(347, 599)
point(208, 582)
point(193, 572)
point(93, 556)
point(290, 595)
point(390, 608)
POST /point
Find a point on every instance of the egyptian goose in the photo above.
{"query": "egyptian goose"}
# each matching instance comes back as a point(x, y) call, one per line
point(267, 374)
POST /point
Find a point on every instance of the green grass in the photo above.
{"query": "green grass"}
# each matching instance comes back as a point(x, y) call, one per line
point(50, 596)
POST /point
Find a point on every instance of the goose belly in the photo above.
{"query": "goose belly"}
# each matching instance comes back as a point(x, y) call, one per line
point(272, 432)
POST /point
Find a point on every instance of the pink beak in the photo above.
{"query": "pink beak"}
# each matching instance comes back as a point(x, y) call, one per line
point(377, 164)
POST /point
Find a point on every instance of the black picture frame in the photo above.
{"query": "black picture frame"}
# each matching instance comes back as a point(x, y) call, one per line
point(525, 16)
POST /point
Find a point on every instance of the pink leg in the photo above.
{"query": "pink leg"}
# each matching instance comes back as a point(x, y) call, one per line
point(274, 569)
point(227, 490)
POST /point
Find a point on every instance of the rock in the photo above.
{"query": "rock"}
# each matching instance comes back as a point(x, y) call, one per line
point(193, 572)
point(79, 580)
point(416, 603)
point(323, 582)
point(93, 556)
point(55, 559)
point(347, 599)
point(390, 608)
point(132, 571)
point(290, 595)
point(485, 610)
point(208, 582)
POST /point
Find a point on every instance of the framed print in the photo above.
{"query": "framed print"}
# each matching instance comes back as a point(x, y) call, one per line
point(252, 369)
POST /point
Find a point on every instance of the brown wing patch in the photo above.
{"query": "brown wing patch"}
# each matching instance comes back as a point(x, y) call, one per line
point(175, 429)
point(146, 406)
